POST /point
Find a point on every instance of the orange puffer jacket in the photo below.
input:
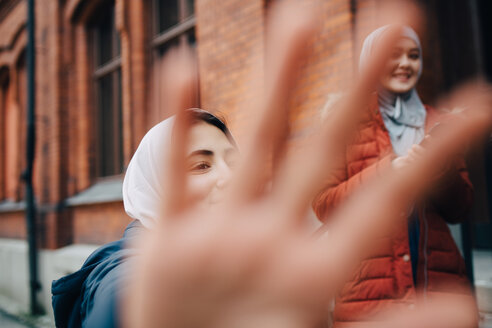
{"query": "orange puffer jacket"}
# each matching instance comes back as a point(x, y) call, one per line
point(385, 277)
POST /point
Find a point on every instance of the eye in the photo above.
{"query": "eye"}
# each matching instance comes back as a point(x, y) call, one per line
point(414, 56)
point(200, 167)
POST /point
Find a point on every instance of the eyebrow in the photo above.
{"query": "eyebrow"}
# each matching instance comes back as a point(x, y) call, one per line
point(203, 152)
point(411, 49)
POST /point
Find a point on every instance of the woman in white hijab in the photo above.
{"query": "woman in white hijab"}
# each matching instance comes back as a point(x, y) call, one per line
point(212, 152)
point(89, 297)
point(420, 257)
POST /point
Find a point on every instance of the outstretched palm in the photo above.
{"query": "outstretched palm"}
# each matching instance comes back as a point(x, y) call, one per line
point(248, 262)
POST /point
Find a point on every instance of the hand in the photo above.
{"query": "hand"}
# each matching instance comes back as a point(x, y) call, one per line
point(247, 263)
point(413, 154)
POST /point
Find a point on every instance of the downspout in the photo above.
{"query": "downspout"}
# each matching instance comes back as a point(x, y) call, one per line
point(34, 284)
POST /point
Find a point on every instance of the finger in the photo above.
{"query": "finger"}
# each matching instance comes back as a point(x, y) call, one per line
point(417, 149)
point(289, 28)
point(475, 101)
point(179, 88)
point(402, 162)
point(306, 170)
point(415, 152)
point(424, 141)
point(472, 95)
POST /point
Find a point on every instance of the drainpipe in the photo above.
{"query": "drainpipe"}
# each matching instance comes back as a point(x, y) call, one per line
point(34, 284)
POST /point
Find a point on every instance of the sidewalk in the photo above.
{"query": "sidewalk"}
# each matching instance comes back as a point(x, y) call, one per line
point(14, 316)
point(482, 265)
point(483, 281)
point(7, 321)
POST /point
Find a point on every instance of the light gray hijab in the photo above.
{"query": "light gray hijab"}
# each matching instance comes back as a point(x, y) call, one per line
point(403, 114)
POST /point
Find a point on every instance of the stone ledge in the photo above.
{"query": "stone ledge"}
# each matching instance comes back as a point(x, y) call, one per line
point(8, 206)
point(12, 309)
point(101, 192)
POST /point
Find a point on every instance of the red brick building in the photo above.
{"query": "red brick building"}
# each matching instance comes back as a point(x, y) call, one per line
point(98, 78)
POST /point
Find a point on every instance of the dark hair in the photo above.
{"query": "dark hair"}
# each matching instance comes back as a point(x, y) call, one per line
point(198, 114)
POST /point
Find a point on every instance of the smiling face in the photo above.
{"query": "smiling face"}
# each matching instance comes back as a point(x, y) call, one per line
point(402, 71)
point(210, 159)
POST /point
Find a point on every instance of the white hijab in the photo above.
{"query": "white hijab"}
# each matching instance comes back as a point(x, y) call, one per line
point(143, 190)
point(403, 114)
point(142, 186)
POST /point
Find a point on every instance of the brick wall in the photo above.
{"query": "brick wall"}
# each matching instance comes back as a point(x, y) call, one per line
point(231, 36)
point(12, 225)
point(96, 223)
point(230, 40)
point(12, 115)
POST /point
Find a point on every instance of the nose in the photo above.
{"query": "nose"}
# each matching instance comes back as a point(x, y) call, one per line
point(224, 175)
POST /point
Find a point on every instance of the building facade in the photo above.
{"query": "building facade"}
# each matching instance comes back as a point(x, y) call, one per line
point(98, 83)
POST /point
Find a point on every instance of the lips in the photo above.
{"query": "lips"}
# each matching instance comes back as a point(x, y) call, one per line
point(402, 76)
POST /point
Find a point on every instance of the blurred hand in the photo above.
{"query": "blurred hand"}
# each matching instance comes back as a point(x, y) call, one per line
point(247, 263)
point(413, 154)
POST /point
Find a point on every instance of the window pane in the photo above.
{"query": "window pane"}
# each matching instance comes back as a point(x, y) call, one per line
point(162, 50)
point(188, 38)
point(105, 126)
point(109, 134)
point(168, 14)
point(106, 38)
point(104, 43)
point(191, 38)
point(116, 41)
point(190, 8)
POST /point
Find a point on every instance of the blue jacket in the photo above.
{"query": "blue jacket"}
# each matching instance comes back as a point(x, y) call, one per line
point(89, 297)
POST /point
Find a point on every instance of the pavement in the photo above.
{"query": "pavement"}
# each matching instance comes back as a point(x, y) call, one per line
point(486, 321)
point(483, 281)
point(8, 321)
point(482, 265)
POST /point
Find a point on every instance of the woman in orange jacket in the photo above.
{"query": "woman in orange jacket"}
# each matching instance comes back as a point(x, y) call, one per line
point(420, 257)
